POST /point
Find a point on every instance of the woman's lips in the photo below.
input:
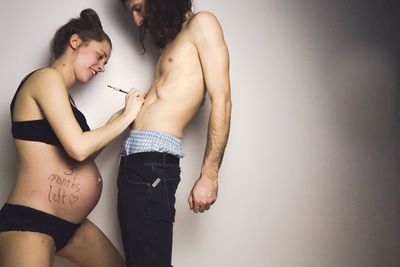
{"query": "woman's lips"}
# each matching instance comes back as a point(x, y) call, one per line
point(93, 72)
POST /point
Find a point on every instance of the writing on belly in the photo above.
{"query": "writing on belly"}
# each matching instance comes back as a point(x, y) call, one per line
point(63, 189)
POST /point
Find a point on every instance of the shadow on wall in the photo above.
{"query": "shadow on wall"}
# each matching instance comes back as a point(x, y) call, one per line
point(365, 41)
point(397, 109)
point(194, 143)
point(124, 22)
point(8, 163)
point(397, 125)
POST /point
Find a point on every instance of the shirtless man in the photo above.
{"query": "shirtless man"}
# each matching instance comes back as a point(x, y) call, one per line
point(194, 60)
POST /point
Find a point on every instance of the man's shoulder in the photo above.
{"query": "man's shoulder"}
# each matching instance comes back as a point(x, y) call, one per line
point(203, 16)
point(204, 25)
point(203, 20)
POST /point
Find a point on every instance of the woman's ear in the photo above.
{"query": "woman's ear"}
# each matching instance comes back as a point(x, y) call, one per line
point(75, 41)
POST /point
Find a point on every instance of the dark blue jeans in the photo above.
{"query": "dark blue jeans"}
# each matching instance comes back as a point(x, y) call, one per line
point(147, 183)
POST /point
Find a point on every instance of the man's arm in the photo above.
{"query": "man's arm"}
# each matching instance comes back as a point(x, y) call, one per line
point(214, 57)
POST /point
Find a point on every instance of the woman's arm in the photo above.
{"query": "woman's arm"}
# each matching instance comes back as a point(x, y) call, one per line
point(52, 97)
point(113, 117)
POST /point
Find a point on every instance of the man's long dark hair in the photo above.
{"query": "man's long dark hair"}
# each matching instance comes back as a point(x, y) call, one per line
point(163, 19)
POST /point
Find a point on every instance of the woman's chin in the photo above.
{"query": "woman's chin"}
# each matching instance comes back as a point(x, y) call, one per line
point(84, 79)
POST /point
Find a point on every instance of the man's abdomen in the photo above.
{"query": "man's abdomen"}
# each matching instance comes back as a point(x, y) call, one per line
point(166, 117)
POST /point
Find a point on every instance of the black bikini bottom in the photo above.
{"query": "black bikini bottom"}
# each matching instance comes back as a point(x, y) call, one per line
point(22, 218)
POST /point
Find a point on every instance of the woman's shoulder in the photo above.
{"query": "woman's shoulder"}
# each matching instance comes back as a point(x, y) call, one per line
point(46, 74)
point(41, 80)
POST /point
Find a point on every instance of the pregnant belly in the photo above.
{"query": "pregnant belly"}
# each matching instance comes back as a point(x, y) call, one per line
point(75, 192)
point(68, 191)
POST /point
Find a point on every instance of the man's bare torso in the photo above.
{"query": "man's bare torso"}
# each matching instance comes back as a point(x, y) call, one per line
point(178, 88)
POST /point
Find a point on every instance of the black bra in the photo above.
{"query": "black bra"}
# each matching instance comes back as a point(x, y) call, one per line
point(40, 130)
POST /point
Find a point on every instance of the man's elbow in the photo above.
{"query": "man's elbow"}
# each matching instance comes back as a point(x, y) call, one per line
point(222, 100)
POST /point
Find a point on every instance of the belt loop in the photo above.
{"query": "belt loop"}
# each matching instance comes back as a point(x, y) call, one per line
point(120, 159)
point(124, 169)
point(164, 159)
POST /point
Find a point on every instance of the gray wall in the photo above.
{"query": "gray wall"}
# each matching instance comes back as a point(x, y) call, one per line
point(310, 176)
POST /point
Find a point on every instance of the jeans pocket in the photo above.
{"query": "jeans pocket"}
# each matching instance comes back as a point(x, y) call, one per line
point(162, 194)
point(132, 185)
point(134, 177)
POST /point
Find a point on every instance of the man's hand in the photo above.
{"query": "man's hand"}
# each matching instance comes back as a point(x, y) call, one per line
point(203, 195)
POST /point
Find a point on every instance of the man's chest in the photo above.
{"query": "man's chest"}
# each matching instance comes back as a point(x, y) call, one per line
point(178, 55)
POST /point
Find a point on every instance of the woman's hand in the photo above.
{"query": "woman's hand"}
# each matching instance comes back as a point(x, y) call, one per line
point(133, 103)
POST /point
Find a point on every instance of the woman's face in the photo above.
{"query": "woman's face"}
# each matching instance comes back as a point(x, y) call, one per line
point(92, 56)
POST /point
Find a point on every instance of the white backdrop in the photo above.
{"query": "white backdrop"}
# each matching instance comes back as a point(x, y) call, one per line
point(310, 175)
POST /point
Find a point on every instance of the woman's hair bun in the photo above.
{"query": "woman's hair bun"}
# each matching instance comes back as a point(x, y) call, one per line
point(90, 16)
point(87, 26)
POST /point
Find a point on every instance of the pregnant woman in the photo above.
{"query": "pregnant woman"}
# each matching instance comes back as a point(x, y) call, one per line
point(57, 182)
